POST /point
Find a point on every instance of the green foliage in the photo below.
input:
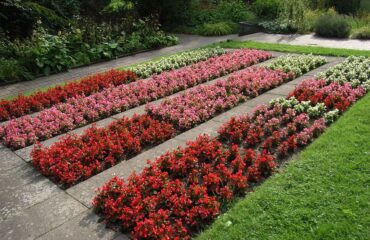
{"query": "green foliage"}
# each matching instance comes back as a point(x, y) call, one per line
point(332, 26)
point(118, 6)
point(310, 19)
point(266, 8)
point(48, 16)
point(49, 51)
point(216, 29)
point(233, 11)
point(293, 11)
point(12, 71)
point(215, 17)
point(361, 33)
point(278, 26)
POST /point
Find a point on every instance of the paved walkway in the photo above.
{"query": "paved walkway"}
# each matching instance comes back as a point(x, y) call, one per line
point(32, 207)
point(308, 40)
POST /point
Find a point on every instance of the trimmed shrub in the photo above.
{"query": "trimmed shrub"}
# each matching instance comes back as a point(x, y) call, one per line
point(332, 26)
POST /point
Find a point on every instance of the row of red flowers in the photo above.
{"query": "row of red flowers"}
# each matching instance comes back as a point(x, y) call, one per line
point(24, 105)
point(183, 190)
point(333, 94)
point(76, 158)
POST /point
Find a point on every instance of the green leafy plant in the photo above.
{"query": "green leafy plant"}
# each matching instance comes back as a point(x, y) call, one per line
point(216, 29)
point(361, 33)
point(50, 52)
point(332, 26)
point(267, 9)
point(12, 71)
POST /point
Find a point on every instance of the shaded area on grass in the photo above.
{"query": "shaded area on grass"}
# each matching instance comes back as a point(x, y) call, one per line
point(322, 194)
point(337, 52)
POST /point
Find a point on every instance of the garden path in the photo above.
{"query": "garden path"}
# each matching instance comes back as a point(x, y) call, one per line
point(32, 207)
point(307, 40)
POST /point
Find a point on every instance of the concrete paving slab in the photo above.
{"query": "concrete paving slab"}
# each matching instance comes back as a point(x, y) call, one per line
point(16, 200)
point(40, 218)
point(9, 159)
point(283, 90)
point(18, 176)
point(85, 226)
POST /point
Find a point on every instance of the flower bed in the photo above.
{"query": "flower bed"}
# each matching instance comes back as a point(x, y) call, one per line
point(77, 112)
point(24, 105)
point(201, 104)
point(204, 102)
point(64, 160)
point(183, 59)
point(76, 158)
point(40, 100)
point(185, 189)
point(355, 70)
point(334, 95)
point(299, 64)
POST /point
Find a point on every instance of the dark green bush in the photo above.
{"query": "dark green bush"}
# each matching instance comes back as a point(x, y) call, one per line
point(332, 26)
point(268, 9)
point(361, 33)
point(12, 71)
point(216, 29)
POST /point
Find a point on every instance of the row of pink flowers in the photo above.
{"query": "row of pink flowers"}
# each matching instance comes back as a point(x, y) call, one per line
point(77, 112)
point(204, 102)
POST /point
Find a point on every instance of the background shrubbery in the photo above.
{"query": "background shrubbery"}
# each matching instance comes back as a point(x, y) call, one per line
point(332, 26)
point(46, 36)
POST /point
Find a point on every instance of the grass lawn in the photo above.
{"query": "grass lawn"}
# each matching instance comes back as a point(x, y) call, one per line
point(322, 194)
point(338, 52)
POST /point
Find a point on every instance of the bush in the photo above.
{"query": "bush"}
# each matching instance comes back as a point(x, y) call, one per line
point(266, 8)
point(234, 11)
point(310, 19)
point(12, 71)
point(361, 33)
point(217, 29)
point(332, 26)
point(278, 26)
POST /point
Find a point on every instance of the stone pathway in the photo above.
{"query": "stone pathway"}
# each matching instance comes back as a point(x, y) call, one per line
point(32, 207)
point(307, 40)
